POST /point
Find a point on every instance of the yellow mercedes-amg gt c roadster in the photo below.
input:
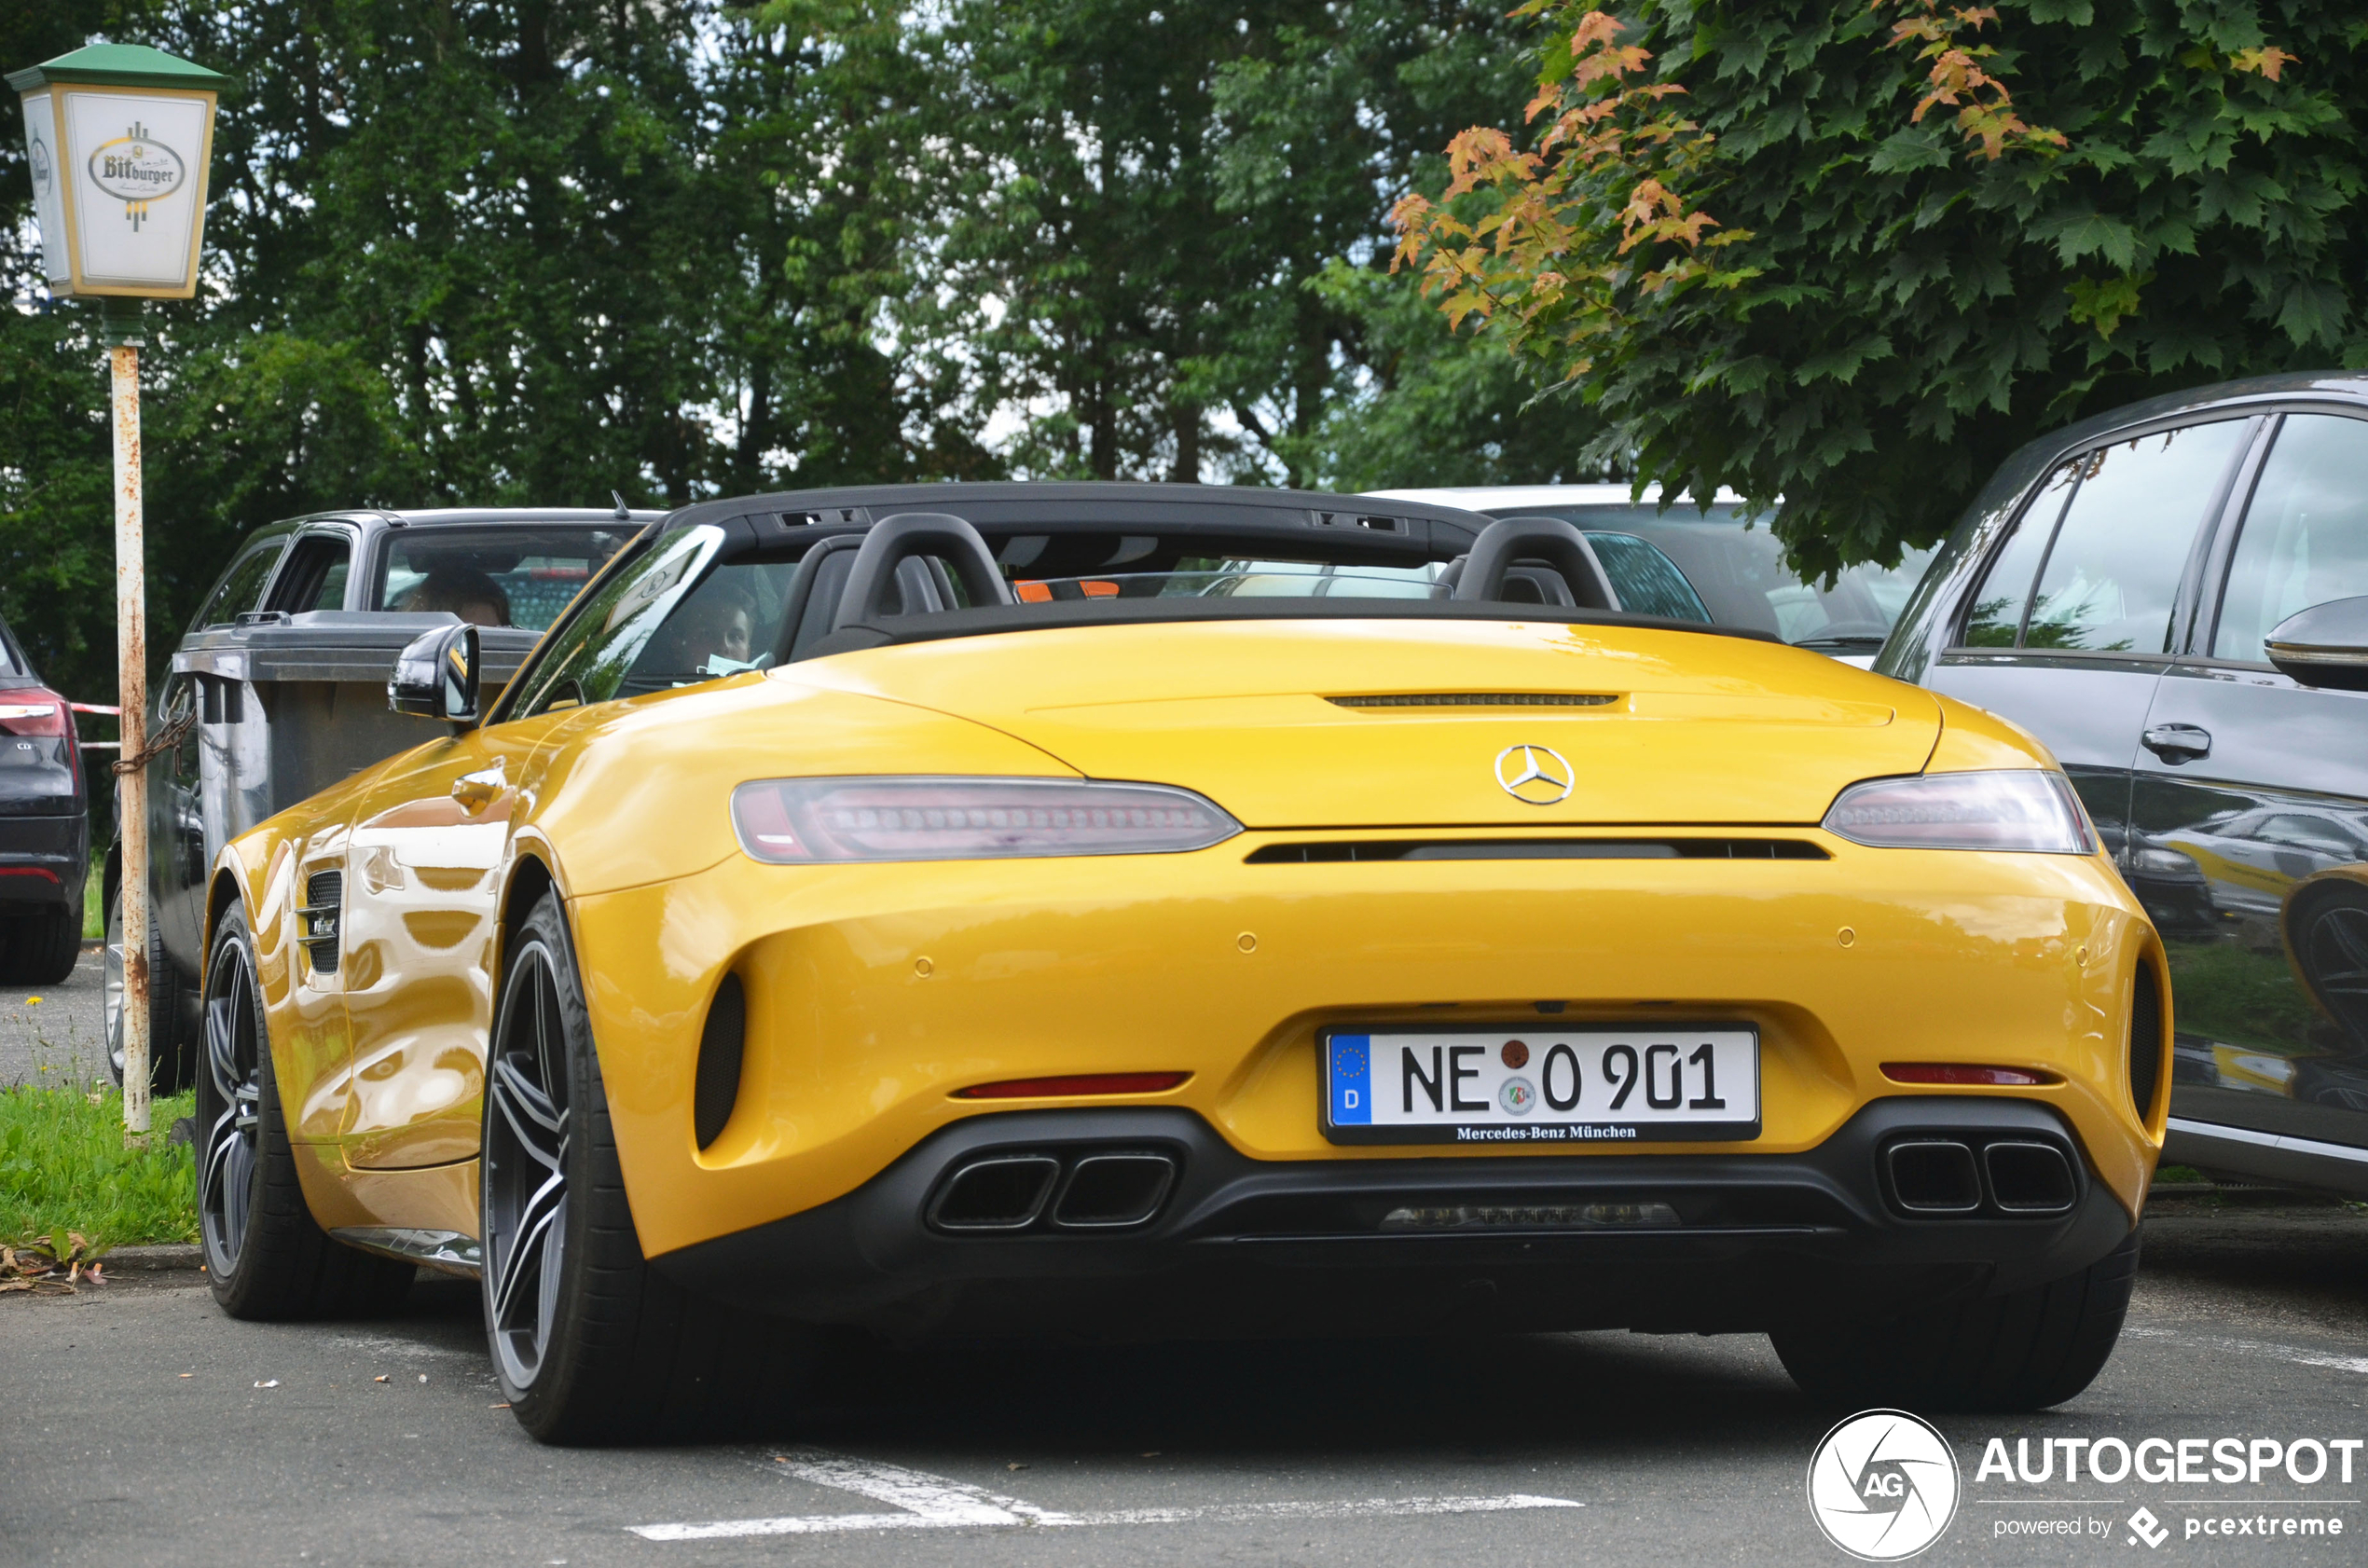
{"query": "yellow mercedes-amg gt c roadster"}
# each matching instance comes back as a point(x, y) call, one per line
point(1148, 910)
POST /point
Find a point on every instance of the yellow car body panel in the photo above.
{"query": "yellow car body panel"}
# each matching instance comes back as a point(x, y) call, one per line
point(876, 991)
point(1036, 969)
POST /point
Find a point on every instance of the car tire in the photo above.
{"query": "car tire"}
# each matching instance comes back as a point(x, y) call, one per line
point(592, 1345)
point(173, 1057)
point(266, 1259)
point(41, 949)
point(2023, 1351)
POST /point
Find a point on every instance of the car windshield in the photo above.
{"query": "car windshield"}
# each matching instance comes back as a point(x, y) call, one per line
point(1739, 570)
point(8, 665)
point(512, 577)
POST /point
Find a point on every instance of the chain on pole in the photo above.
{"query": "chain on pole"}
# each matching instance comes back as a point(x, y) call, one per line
point(122, 321)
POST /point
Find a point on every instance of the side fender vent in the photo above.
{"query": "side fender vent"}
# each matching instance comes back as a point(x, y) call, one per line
point(317, 919)
point(2145, 1041)
point(721, 1044)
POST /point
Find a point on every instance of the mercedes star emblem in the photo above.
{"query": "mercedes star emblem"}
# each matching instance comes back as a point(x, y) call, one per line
point(1535, 775)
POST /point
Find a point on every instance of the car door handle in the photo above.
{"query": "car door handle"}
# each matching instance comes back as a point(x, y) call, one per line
point(2176, 743)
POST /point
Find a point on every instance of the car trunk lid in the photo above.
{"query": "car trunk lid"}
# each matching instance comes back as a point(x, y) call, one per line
point(1354, 724)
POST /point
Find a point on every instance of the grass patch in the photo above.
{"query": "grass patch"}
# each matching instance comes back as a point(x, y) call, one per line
point(94, 910)
point(64, 1167)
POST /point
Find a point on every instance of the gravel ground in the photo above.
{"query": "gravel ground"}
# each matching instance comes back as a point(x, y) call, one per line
point(55, 1034)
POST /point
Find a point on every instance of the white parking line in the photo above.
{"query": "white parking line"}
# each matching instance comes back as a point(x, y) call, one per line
point(2295, 1354)
point(939, 1502)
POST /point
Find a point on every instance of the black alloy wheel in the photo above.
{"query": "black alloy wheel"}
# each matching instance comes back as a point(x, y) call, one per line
point(264, 1256)
point(230, 1108)
point(524, 1169)
point(591, 1344)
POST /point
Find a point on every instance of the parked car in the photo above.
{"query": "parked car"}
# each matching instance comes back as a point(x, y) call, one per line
point(1157, 910)
point(44, 826)
point(2174, 597)
point(1724, 570)
point(280, 679)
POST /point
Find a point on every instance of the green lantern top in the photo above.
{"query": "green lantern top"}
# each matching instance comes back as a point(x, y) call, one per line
point(119, 65)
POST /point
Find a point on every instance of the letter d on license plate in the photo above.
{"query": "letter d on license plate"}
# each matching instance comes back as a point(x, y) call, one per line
point(1507, 1083)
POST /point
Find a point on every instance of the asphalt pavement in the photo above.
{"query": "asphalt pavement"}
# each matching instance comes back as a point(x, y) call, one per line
point(56, 1034)
point(144, 1427)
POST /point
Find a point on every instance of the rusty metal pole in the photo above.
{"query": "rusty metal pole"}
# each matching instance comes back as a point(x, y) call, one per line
point(124, 338)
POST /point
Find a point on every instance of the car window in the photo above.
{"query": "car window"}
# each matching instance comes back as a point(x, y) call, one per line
point(1646, 581)
point(507, 576)
point(606, 636)
point(241, 586)
point(9, 664)
point(2114, 571)
point(2107, 540)
point(1996, 619)
point(315, 576)
point(730, 621)
point(2306, 533)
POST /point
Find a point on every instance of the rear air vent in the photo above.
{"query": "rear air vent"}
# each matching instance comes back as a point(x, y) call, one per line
point(721, 1044)
point(2145, 1042)
point(323, 898)
point(1539, 849)
point(1479, 699)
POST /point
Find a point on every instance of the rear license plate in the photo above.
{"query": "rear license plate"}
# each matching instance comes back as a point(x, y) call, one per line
point(1655, 1083)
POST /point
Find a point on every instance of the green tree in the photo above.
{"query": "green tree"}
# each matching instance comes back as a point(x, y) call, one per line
point(2117, 198)
point(1163, 240)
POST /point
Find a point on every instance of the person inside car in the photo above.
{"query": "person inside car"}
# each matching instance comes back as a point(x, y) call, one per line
point(462, 591)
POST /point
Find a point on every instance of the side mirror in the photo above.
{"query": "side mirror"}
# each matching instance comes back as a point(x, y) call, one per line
point(436, 677)
point(2325, 645)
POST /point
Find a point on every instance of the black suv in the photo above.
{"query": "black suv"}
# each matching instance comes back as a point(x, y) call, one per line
point(44, 826)
point(278, 690)
point(2174, 597)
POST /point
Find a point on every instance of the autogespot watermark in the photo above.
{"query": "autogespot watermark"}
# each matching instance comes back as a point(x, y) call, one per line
point(2279, 1464)
point(1884, 1484)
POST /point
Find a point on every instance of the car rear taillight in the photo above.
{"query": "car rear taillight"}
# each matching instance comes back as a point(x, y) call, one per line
point(789, 821)
point(34, 712)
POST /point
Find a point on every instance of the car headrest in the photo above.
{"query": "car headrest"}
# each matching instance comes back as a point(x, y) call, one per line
point(1548, 542)
point(872, 585)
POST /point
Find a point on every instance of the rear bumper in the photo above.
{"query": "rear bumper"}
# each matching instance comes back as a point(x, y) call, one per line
point(1249, 1246)
point(43, 862)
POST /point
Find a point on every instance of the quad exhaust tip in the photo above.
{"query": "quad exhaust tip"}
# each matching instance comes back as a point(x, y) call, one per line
point(1943, 1176)
point(1100, 1189)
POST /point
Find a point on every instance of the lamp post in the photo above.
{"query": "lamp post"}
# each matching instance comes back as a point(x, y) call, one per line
point(120, 138)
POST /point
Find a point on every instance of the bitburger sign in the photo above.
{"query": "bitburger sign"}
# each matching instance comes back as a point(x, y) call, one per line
point(119, 138)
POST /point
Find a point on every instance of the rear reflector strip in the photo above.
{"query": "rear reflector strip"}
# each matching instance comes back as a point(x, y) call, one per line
point(1539, 849)
point(1951, 1072)
point(1082, 1084)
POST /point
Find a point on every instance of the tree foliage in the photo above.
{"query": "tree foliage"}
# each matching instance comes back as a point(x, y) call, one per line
point(2129, 197)
point(533, 251)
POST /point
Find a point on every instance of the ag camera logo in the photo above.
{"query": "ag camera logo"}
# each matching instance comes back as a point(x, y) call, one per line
point(1883, 1485)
